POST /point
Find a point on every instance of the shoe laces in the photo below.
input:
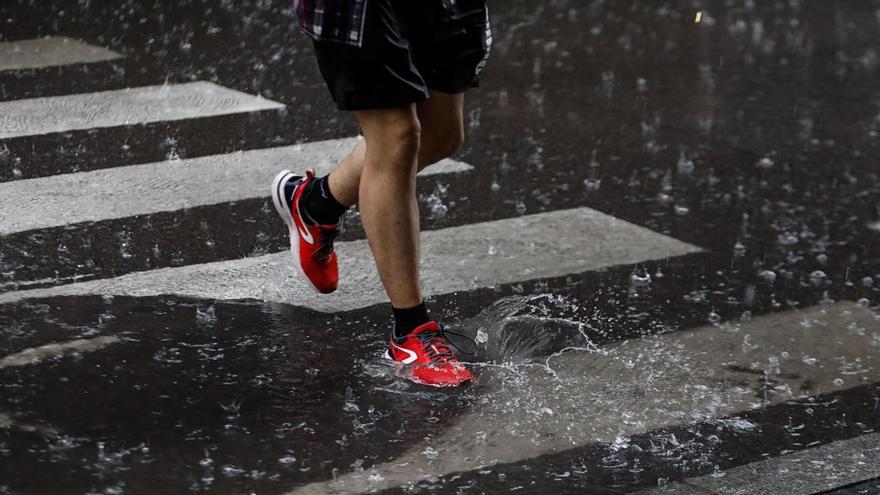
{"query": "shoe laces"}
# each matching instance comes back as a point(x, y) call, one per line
point(326, 236)
point(437, 346)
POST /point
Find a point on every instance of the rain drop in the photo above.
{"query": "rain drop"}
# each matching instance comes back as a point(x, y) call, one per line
point(817, 278)
point(685, 166)
point(592, 184)
point(5, 154)
point(765, 163)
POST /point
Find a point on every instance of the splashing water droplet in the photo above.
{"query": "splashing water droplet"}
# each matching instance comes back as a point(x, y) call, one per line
point(640, 279)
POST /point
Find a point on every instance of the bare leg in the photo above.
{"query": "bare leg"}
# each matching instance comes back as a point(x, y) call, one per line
point(442, 121)
point(387, 193)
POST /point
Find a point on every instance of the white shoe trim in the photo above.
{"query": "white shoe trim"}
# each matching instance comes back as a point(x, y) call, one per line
point(411, 356)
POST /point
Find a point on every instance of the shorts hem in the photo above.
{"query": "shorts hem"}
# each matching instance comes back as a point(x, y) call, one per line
point(452, 88)
point(360, 104)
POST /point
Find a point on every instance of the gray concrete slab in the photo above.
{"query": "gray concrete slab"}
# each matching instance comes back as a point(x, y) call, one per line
point(166, 186)
point(129, 106)
point(642, 385)
point(453, 259)
point(805, 472)
point(50, 51)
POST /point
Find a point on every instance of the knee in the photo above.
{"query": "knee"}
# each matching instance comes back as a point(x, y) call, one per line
point(403, 140)
point(439, 145)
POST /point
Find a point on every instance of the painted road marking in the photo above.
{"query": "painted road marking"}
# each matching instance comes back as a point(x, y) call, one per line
point(805, 472)
point(50, 51)
point(454, 259)
point(36, 355)
point(130, 106)
point(8, 422)
point(641, 385)
point(166, 186)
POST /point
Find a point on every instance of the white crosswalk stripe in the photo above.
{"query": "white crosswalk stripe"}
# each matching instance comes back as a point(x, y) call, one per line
point(453, 259)
point(681, 377)
point(165, 186)
point(140, 105)
point(36, 355)
point(50, 51)
point(8, 422)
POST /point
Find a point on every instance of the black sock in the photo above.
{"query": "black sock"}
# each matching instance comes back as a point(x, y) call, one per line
point(319, 203)
point(408, 319)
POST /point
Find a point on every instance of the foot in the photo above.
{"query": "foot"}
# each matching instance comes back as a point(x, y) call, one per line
point(310, 244)
point(431, 357)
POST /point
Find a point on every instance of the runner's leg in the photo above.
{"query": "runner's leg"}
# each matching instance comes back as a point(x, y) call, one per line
point(387, 199)
point(442, 122)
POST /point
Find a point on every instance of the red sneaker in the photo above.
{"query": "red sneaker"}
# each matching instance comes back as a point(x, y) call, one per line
point(310, 244)
point(431, 357)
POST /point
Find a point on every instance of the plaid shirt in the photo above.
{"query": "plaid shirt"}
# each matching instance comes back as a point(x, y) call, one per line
point(332, 20)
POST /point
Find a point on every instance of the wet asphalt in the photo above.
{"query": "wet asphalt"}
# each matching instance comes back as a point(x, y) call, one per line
point(753, 135)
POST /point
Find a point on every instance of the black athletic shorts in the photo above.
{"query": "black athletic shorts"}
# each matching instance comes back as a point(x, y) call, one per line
point(409, 47)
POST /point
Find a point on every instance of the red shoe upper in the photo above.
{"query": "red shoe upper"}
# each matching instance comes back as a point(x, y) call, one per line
point(431, 358)
point(315, 256)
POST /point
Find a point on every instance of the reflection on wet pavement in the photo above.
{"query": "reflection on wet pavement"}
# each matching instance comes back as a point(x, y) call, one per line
point(243, 395)
point(253, 395)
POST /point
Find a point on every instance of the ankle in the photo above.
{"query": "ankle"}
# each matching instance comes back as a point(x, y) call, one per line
point(408, 319)
point(319, 203)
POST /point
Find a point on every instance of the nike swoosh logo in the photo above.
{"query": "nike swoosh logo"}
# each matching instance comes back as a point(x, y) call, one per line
point(303, 232)
point(412, 355)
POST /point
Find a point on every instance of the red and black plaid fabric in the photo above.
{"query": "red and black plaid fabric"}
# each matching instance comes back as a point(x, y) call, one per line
point(332, 20)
